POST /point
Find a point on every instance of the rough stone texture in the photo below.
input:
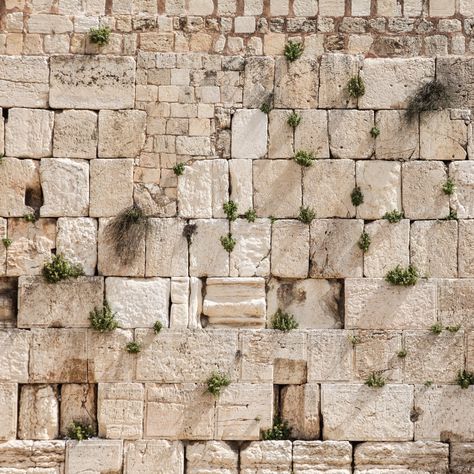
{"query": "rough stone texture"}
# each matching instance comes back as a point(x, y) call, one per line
point(8, 408)
point(266, 456)
point(14, 356)
point(466, 248)
point(259, 73)
point(78, 403)
point(311, 134)
point(249, 134)
point(211, 457)
point(456, 302)
point(95, 456)
point(463, 199)
point(280, 135)
point(462, 458)
point(160, 457)
point(322, 456)
point(458, 71)
point(31, 456)
point(240, 172)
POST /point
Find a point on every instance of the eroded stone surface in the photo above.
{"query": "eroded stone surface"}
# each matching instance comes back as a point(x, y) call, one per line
point(462, 173)
point(94, 455)
point(78, 404)
point(262, 456)
point(14, 356)
point(310, 456)
point(249, 134)
point(211, 457)
point(160, 457)
point(8, 406)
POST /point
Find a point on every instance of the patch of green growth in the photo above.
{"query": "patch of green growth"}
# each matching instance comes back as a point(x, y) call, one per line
point(283, 321)
point(364, 241)
point(58, 268)
point(354, 340)
point(230, 210)
point(228, 242)
point(157, 327)
point(465, 378)
point(7, 242)
point(294, 119)
point(375, 380)
point(251, 215)
point(452, 216)
point(178, 169)
point(449, 187)
point(272, 219)
point(216, 382)
point(30, 217)
point(428, 383)
point(80, 431)
point(2, 156)
point(453, 329)
point(394, 216)
point(103, 319)
point(356, 87)
point(403, 276)
point(100, 36)
point(357, 197)
point(374, 132)
point(266, 108)
point(402, 354)
point(306, 215)
point(133, 347)
point(304, 158)
point(430, 96)
point(293, 50)
point(279, 431)
point(436, 328)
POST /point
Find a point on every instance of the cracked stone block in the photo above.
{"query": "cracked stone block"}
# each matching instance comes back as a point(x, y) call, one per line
point(211, 457)
point(391, 82)
point(456, 302)
point(462, 201)
point(433, 248)
point(120, 410)
point(311, 134)
point(461, 454)
point(29, 133)
point(280, 137)
point(194, 146)
point(95, 456)
point(75, 134)
point(139, 302)
point(258, 80)
point(249, 134)
point(315, 304)
point(457, 70)
point(466, 248)
point(157, 456)
point(121, 133)
point(155, 200)
point(78, 403)
point(376, 304)
point(322, 456)
point(241, 183)
point(14, 356)
point(65, 185)
point(38, 416)
point(266, 456)
point(388, 409)
point(8, 408)
point(349, 133)
point(42, 304)
point(37, 457)
point(327, 188)
point(92, 82)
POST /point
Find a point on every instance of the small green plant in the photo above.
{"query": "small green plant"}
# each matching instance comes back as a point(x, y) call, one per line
point(357, 197)
point(7, 242)
point(294, 119)
point(394, 216)
point(80, 431)
point(306, 215)
point(436, 328)
point(266, 108)
point(449, 187)
point(304, 158)
point(280, 431)
point(374, 132)
point(178, 169)
point(293, 50)
point(283, 321)
point(354, 340)
point(100, 36)
point(216, 382)
point(364, 241)
point(402, 354)
point(251, 215)
point(2, 156)
point(30, 217)
point(60, 269)
point(403, 276)
point(453, 329)
point(272, 219)
point(375, 380)
point(465, 378)
point(103, 319)
point(133, 347)
point(428, 383)
point(430, 96)
point(230, 210)
point(228, 242)
point(356, 87)
point(452, 216)
point(157, 327)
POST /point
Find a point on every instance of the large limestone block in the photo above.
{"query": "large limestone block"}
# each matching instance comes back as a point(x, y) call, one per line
point(75, 134)
point(381, 185)
point(241, 187)
point(280, 135)
point(391, 82)
point(334, 249)
point(179, 411)
point(442, 138)
point(349, 133)
point(38, 416)
point(24, 81)
point(456, 302)
point(203, 189)
point(120, 410)
point(28, 133)
point(211, 457)
point(444, 413)
point(97, 456)
point(78, 403)
point(388, 409)
point(258, 82)
point(8, 302)
point(139, 302)
point(322, 456)
point(235, 302)
point(266, 456)
point(327, 188)
point(389, 247)
point(195, 146)
point(58, 356)
point(249, 134)
point(63, 304)
point(65, 185)
point(121, 133)
point(433, 248)
point(154, 456)
point(290, 249)
point(315, 304)
point(39, 456)
point(15, 346)
point(458, 71)
point(76, 239)
point(418, 456)
point(461, 456)
point(466, 248)
point(166, 248)
point(311, 134)
point(92, 82)
point(376, 304)
point(49, 24)
point(462, 173)
point(8, 408)
point(186, 355)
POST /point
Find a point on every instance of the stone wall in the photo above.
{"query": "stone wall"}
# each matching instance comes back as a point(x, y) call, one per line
point(185, 109)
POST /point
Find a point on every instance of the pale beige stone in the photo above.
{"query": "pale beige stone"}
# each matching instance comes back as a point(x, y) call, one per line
point(463, 198)
point(14, 356)
point(266, 456)
point(258, 80)
point(160, 457)
point(331, 7)
point(49, 24)
point(94, 456)
point(466, 248)
point(280, 135)
point(322, 456)
point(241, 185)
point(456, 302)
point(8, 408)
point(194, 146)
point(249, 134)
point(211, 457)
point(311, 134)
point(461, 454)
point(78, 404)
point(43, 457)
point(442, 7)
point(457, 70)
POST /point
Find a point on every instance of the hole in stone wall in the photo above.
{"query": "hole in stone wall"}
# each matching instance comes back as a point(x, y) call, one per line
point(5, 114)
point(34, 199)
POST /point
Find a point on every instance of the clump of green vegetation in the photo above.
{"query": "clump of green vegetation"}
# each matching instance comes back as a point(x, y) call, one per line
point(356, 87)
point(449, 187)
point(403, 276)
point(30, 217)
point(283, 321)
point(251, 215)
point(80, 431)
point(178, 169)
point(230, 210)
point(452, 216)
point(402, 354)
point(2, 156)
point(266, 108)
point(306, 215)
point(374, 132)
point(394, 216)
point(428, 383)
point(294, 119)
point(436, 328)
point(103, 319)
point(272, 219)
point(157, 327)
point(133, 347)
point(364, 241)
point(304, 158)
point(7, 242)
point(216, 382)
point(293, 50)
point(354, 340)
point(465, 378)
point(60, 269)
point(228, 242)
point(453, 329)
point(100, 36)
point(430, 96)
point(280, 431)
point(375, 380)
point(357, 197)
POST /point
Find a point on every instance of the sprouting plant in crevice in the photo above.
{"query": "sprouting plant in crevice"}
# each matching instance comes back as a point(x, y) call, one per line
point(100, 36)
point(230, 210)
point(403, 276)
point(228, 242)
point(402, 353)
point(449, 187)
point(364, 241)
point(80, 431)
point(453, 329)
point(430, 96)
point(428, 383)
point(278, 432)
point(133, 347)
point(465, 378)
point(178, 169)
point(126, 233)
point(294, 119)
point(2, 157)
point(306, 215)
point(30, 217)
point(356, 87)
point(357, 197)
point(436, 328)
point(58, 268)
point(283, 321)
point(304, 158)
point(251, 215)
point(394, 216)
point(452, 216)
point(103, 319)
point(354, 339)
point(157, 327)
point(272, 219)
point(266, 108)
point(7, 242)
point(293, 50)
point(374, 132)
point(375, 380)
point(188, 231)
point(216, 382)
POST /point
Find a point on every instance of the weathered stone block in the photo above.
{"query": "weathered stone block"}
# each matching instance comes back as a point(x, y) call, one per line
point(8, 408)
point(33, 456)
point(322, 456)
point(92, 82)
point(462, 173)
point(459, 71)
point(311, 134)
point(462, 456)
point(95, 456)
point(194, 146)
point(78, 403)
point(466, 248)
point(160, 457)
point(14, 356)
point(266, 456)
point(258, 80)
point(211, 457)
point(8, 302)
point(456, 302)
point(241, 183)
point(280, 136)
point(249, 134)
